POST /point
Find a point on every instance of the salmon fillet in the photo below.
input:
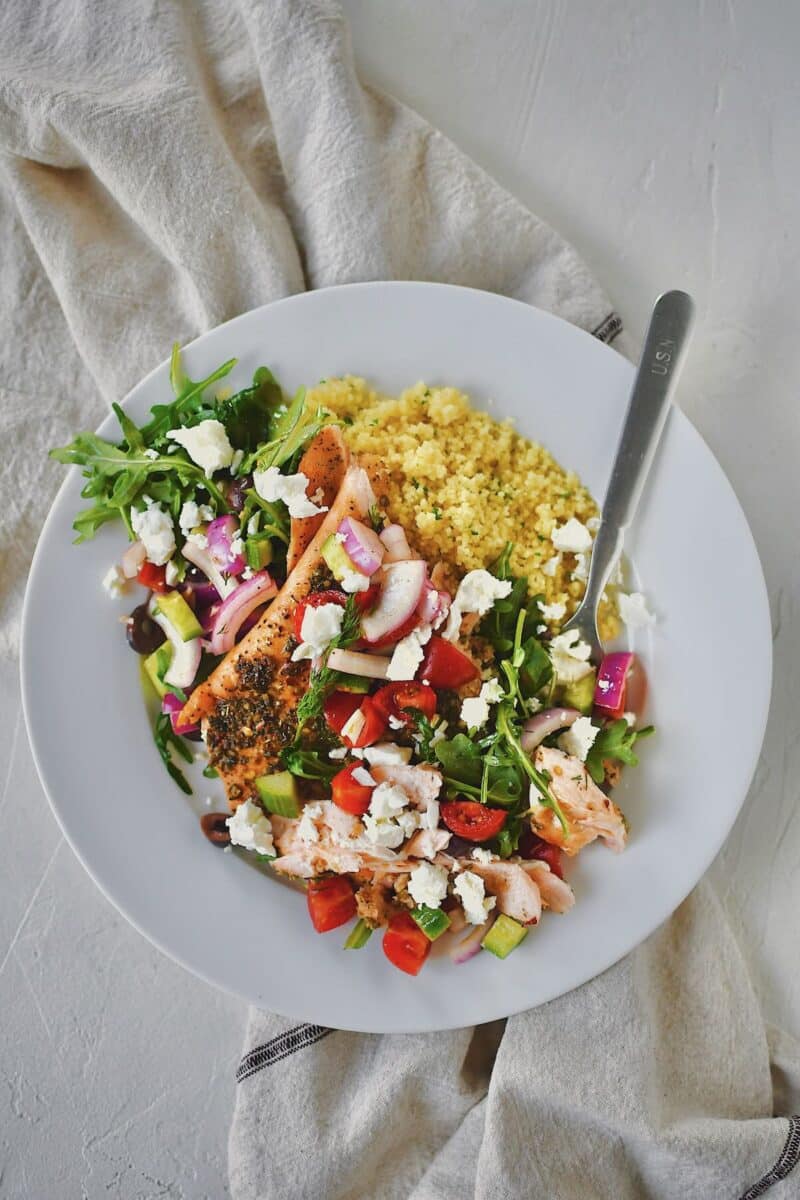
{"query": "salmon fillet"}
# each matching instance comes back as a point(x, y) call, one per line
point(247, 705)
point(589, 812)
point(324, 464)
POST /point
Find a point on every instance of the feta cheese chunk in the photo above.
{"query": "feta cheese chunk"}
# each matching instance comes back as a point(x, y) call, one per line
point(476, 593)
point(579, 738)
point(352, 727)
point(306, 829)
point(475, 710)
point(250, 827)
point(387, 800)
point(291, 489)
point(572, 538)
point(430, 818)
point(633, 610)
point(193, 514)
point(354, 581)
point(481, 855)
point(361, 775)
point(581, 572)
point(320, 626)
point(386, 754)
point(114, 581)
point(551, 566)
point(630, 717)
point(153, 527)
point(206, 444)
point(553, 612)
point(408, 654)
point(428, 884)
point(570, 656)
point(383, 833)
point(472, 894)
point(338, 753)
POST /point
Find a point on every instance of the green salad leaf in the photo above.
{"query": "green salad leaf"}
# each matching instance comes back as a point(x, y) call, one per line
point(166, 740)
point(615, 742)
point(309, 764)
point(248, 415)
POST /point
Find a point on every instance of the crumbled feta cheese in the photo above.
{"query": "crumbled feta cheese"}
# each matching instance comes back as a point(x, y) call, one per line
point(633, 610)
point(387, 800)
point(151, 454)
point(198, 539)
point(383, 833)
point(250, 828)
point(361, 775)
point(153, 527)
point(291, 489)
point(484, 856)
point(396, 723)
point(114, 581)
point(570, 656)
point(237, 547)
point(409, 821)
point(492, 691)
point(206, 444)
point(306, 829)
point(430, 818)
point(248, 573)
point(427, 884)
point(552, 565)
point(593, 524)
point(386, 754)
point(474, 712)
point(337, 754)
point(408, 654)
point(553, 612)
point(579, 738)
point(617, 577)
point(472, 894)
point(320, 626)
point(581, 572)
point(193, 514)
point(541, 629)
point(630, 717)
point(476, 593)
point(354, 581)
point(236, 461)
point(572, 538)
point(351, 730)
point(172, 573)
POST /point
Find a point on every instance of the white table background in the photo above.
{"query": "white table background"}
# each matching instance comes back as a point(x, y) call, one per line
point(662, 139)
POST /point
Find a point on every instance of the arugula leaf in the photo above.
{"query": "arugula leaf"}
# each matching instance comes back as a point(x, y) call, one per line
point(489, 778)
point(308, 764)
point(507, 841)
point(290, 433)
point(166, 739)
point(615, 742)
point(248, 415)
point(507, 728)
point(188, 407)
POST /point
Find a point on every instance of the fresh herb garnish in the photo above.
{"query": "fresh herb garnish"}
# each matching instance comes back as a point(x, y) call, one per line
point(323, 681)
point(375, 518)
point(165, 738)
point(308, 764)
point(615, 742)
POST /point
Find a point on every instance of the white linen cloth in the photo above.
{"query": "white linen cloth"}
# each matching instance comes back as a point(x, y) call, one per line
point(166, 167)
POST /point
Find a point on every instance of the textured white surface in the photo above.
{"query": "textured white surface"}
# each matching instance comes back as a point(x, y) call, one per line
point(661, 139)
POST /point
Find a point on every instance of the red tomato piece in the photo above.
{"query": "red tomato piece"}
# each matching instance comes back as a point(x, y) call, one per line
point(472, 821)
point(393, 699)
point(397, 635)
point(445, 666)
point(531, 846)
point(366, 601)
point(153, 577)
point(314, 601)
point(339, 708)
point(331, 902)
point(348, 793)
point(405, 945)
point(374, 724)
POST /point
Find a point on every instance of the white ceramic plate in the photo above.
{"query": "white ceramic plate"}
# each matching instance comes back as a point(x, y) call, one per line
point(138, 836)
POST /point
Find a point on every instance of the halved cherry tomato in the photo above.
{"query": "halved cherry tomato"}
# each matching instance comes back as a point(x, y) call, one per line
point(331, 902)
point(348, 793)
point(339, 708)
point(374, 724)
point(472, 821)
point(445, 666)
point(397, 634)
point(531, 846)
point(393, 699)
point(314, 601)
point(153, 577)
point(366, 601)
point(405, 945)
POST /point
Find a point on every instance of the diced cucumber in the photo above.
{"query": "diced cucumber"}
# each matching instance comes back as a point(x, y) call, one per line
point(432, 921)
point(258, 551)
point(580, 694)
point(504, 936)
point(180, 616)
point(278, 794)
point(156, 666)
point(337, 559)
point(359, 935)
point(354, 683)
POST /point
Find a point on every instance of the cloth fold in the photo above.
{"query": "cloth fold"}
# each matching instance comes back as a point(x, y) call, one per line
point(164, 168)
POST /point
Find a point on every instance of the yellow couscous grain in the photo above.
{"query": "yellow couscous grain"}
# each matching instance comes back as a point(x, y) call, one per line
point(462, 484)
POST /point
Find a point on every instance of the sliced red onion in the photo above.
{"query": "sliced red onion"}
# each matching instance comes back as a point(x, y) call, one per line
point(609, 692)
point(201, 558)
point(537, 728)
point(132, 560)
point(199, 595)
point(252, 620)
point(469, 946)
point(174, 706)
point(236, 608)
point(221, 533)
point(351, 662)
point(396, 543)
point(433, 605)
point(403, 584)
point(363, 546)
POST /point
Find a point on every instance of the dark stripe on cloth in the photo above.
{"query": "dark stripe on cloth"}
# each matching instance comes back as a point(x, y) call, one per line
point(280, 1047)
point(788, 1160)
point(608, 329)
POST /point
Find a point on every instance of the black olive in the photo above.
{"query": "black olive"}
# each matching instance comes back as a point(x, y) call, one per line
point(214, 827)
point(194, 735)
point(144, 636)
point(460, 847)
point(236, 493)
point(194, 574)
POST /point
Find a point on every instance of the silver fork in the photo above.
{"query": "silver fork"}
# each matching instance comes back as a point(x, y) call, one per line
point(664, 347)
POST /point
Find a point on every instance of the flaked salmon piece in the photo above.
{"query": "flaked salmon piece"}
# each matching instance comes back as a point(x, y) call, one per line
point(517, 892)
point(340, 847)
point(427, 843)
point(589, 812)
point(247, 705)
point(324, 464)
point(421, 783)
point(555, 891)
